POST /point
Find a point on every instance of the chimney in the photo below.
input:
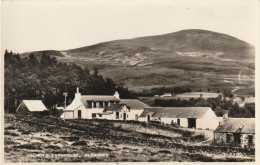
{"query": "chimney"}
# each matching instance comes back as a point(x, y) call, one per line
point(225, 115)
point(116, 95)
point(77, 95)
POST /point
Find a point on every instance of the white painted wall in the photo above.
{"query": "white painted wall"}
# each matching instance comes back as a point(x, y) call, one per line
point(68, 115)
point(142, 119)
point(132, 114)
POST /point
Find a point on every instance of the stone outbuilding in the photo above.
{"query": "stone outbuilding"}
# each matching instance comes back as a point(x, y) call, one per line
point(236, 132)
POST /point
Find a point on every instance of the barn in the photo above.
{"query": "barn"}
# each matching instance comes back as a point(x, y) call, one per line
point(189, 117)
point(236, 132)
point(31, 106)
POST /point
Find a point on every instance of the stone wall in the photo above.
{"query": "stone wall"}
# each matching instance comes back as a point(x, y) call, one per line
point(221, 138)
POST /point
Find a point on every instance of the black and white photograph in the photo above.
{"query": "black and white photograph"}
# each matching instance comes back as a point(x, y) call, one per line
point(109, 81)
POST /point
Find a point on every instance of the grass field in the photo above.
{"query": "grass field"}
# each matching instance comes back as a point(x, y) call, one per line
point(31, 138)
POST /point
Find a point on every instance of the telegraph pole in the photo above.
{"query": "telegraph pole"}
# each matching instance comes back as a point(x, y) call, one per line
point(65, 94)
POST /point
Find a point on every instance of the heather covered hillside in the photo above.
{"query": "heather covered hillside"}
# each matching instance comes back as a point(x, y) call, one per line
point(197, 59)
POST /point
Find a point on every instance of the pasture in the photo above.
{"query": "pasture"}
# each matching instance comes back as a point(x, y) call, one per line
point(30, 138)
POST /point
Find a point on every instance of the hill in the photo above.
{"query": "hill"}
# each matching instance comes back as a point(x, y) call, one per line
point(195, 58)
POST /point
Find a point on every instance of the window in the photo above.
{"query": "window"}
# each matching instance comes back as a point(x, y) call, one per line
point(94, 115)
point(228, 138)
point(89, 104)
point(120, 115)
point(94, 104)
point(250, 140)
point(117, 115)
point(100, 104)
point(106, 103)
point(136, 117)
point(100, 115)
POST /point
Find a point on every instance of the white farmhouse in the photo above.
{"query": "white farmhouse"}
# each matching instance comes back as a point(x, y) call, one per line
point(88, 106)
point(189, 117)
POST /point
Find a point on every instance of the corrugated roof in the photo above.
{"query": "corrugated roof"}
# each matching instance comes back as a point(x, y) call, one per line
point(237, 125)
point(176, 112)
point(114, 107)
point(34, 105)
point(134, 104)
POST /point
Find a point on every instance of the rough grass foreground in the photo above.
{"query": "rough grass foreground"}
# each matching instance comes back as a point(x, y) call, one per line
point(30, 138)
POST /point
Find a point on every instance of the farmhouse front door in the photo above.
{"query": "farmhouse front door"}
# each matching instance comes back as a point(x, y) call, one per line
point(79, 114)
point(124, 116)
point(178, 121)
point(148, 118)
point(237, 139)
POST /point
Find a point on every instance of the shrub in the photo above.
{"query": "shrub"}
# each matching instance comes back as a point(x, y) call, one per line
point(79, 143)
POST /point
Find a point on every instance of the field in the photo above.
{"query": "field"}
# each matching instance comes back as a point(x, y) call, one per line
point(30, 138)
point(205, 95)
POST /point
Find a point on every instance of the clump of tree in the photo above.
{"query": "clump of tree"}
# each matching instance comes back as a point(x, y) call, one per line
point(46, 79)
point(218, 105)
point(162, 90)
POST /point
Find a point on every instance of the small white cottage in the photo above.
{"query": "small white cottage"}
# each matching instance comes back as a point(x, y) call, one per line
point(116, 112)
point(31, 106)
point(189, 117)
point(127, 109)
point(136, 108)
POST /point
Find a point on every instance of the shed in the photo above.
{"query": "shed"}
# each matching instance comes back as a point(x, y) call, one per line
point(31, 106)
point(236, 131)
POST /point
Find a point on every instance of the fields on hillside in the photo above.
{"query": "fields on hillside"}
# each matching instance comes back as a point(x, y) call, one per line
point(48, 139)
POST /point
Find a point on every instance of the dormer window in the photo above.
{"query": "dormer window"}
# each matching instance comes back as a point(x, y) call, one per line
point(89, 103)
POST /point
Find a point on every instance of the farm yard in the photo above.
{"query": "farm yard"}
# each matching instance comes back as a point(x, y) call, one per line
point(32, 138)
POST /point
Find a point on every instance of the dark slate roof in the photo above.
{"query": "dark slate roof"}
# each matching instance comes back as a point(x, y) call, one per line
point(237, 125)
point(134, 104)
point(114, 107)
point(86, 98)
point(98, 98)
point(176, 112)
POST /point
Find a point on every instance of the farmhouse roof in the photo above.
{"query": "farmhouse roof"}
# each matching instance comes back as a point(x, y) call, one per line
point(85, 98)
point(34, 105)
point(114, 107)
point(176, 112)
point(134, 104)
point(237, 125)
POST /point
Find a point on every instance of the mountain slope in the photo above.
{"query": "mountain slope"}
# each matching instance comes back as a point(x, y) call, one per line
point(185, 41)
point(193, 58)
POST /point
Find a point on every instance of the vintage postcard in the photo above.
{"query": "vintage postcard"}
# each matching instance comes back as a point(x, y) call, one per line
point(119, 82)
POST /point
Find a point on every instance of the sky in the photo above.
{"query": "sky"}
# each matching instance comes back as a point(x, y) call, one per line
point(61, 25)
